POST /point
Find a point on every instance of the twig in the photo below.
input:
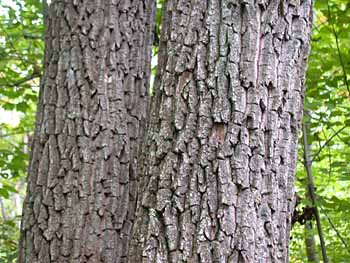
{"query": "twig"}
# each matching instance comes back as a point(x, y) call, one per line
point(11, 134)
point(326, 143)
point(30, 36)
point(21, 81)
point(342, 139)
point(338, 49)
point(336, 230)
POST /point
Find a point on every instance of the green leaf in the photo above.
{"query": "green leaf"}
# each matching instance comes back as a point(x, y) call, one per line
point(9, 188)
point(4, 193)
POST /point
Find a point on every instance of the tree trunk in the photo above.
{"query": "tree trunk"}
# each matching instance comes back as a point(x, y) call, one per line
point(217, 177)
point(310, 244)
point(81, 195)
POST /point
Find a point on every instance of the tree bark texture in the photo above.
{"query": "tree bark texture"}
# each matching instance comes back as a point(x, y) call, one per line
point(216, 182)
point(81, 195)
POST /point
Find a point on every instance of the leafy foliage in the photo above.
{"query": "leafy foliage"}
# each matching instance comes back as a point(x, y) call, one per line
point(21, 52)
point(8, 240)
point(327, 110)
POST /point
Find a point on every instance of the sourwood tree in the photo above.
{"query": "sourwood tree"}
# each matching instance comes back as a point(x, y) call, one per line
point(216, 179)
point(93, 101)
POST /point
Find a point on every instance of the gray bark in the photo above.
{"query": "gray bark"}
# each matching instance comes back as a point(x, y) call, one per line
point(93, 101)
point(216, 182)
point(310, 244)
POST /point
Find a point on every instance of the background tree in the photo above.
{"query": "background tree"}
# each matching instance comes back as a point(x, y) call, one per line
point(21, 51)
point(327, 104)
point(217, 181)
point(92, 106)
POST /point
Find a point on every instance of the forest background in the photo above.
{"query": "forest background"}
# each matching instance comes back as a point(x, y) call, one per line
point(326, 126)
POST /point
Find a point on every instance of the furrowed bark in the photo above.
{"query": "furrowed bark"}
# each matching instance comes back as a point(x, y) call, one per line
point(217, 178)
point(81, 195)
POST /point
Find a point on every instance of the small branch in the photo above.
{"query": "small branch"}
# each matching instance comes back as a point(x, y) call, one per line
point(30, 36)
point(312, 194)
point(326, 143)
point(21, 81)
point(342, 139)
point(336, 231)
point(338, 49)
point(11, 134)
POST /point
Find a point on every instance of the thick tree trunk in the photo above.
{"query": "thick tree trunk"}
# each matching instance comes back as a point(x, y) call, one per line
point(217, 182)
point(93, 103)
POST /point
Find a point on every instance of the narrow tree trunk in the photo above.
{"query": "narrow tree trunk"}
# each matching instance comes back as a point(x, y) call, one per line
point(93, 102)
point(310, 244)
point(217, 178)
point(312, 191)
